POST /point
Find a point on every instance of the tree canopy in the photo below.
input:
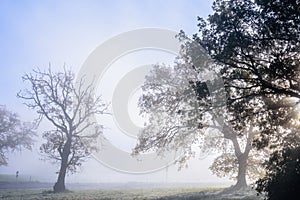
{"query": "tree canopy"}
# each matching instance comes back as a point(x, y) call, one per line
point(282, 179)
point(14, 134)
point(256, 44)
point(254, 47)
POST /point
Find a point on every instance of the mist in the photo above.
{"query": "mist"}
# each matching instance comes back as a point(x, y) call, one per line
point(65, 33)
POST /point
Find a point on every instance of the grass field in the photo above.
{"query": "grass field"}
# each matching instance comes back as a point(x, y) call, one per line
point(22, 189)
point(132, 194)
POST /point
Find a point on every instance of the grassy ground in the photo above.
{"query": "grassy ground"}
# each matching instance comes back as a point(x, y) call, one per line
point(12, 188)
point(153, 194)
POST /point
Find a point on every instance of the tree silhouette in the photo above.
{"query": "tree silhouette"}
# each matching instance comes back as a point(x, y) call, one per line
point(180, 113)
point(254, 47)
point(69, 109)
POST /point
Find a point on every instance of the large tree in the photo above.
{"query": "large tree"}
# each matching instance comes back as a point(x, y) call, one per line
point(14, 134)
point(180, 118)
point(254, 46)
point(70, 110)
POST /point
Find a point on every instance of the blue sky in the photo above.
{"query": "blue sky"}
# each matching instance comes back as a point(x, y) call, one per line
point(36, 33)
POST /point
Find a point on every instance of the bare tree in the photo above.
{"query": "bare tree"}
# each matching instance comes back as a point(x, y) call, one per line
point(70, 110)
point(14, 134)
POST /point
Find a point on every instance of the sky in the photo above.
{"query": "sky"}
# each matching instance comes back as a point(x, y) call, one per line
point(36, 33)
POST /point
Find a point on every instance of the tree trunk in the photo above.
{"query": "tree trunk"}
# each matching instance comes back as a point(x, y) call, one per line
point(242, 157)
point(59, 186)
point(243, 162)
point(241, 183)
point(242, 165)
point(241, 178)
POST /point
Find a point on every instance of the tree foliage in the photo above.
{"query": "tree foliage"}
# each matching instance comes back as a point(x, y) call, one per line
point(182, 119)
point(70, 110)
point(170, 101)
point(14, 134)
point(254, 47)
point(256, 43)
point(282, 180)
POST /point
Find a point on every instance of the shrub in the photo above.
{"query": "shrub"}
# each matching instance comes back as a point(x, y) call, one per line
point(282, 179)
